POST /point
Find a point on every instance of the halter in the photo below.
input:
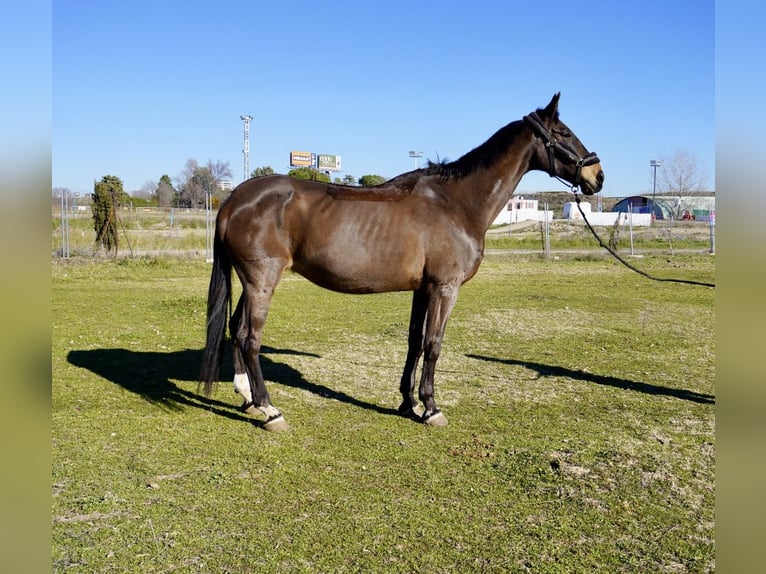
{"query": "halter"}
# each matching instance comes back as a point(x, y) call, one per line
point(565, 152)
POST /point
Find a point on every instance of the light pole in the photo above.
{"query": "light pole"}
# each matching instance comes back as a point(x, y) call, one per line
point(416, 155)
point(654, 164)
point(246, 147)
point(209, 226)
point(64, 223)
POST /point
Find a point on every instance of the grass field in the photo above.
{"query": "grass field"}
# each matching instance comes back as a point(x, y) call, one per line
point(581, 438)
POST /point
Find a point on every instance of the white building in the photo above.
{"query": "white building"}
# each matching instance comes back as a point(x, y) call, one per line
point(520, 209)
point(572, 213)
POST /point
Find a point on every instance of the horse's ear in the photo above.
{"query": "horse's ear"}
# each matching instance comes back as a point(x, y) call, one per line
point(552, 108)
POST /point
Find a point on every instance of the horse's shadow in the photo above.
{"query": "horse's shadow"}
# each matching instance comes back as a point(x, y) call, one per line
point(151, 375)
point(557, 371)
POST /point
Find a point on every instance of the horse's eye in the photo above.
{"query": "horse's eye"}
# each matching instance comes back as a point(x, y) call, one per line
point(562, 132)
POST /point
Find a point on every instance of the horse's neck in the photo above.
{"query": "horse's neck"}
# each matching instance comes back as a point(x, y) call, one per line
point(488, 190)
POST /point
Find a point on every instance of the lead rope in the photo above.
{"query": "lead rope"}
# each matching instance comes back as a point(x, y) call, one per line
point(629, 265)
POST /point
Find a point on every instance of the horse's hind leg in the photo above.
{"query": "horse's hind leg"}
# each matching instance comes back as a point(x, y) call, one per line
point(258, 283)
point(241, 380)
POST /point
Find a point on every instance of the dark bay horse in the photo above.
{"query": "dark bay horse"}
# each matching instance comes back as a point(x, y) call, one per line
point(422, 231)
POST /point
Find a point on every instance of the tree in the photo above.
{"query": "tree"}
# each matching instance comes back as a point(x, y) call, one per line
point(309, 173)
point(107, 196)
point(197, 181)
point(165, 192)
point(188, 193)
point(371, 180)
point(681, 176)
point(145, 196)
point(261, 171)
point(220, 170)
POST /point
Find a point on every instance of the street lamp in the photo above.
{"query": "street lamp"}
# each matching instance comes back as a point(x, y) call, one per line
point(654, 164)
point(416, 155)
point(246, 147)
point(64, 223)
point(209, 225)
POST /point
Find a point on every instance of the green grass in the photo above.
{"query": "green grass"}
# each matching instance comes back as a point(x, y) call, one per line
point(581, 438)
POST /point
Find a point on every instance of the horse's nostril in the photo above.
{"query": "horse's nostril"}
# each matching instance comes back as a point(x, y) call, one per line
point(600, 176)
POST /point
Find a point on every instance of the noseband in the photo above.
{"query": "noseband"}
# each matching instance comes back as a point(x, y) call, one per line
point(563, 150)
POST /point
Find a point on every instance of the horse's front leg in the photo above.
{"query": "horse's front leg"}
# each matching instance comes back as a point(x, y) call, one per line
point(409, 407)
point(441, 300)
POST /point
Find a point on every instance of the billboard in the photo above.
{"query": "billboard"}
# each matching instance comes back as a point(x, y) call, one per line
point(301, 159)
point(327, 162)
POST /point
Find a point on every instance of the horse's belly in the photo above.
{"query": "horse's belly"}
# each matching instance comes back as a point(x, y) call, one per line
point(353, 269)
point(358, 247)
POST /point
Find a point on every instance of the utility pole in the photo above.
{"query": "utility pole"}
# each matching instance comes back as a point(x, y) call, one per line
point(209, 223)
point(246, 148)
point(65, 223)
point(654, 164)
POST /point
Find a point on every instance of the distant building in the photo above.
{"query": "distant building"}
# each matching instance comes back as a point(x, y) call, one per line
point(520, 209)
point(225, 185)
point(697, 207)
point(573, 212)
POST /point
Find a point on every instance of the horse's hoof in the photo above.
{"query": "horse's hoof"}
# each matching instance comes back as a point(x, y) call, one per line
point(277, 423)
point(436, 419)
point(414, 413)
point(248, 408)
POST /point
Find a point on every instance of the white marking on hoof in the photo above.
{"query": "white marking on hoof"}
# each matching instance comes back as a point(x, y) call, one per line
point(276, 424)
point(242, 386)
point(270, 412)
point(437, 419)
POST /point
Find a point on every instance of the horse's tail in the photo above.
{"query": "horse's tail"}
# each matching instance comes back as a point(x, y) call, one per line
point(218, 310)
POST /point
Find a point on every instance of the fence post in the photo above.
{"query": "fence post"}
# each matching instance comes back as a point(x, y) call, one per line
point(547, 246)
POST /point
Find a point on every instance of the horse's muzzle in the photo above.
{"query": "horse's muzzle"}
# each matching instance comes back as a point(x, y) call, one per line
point(592, 179)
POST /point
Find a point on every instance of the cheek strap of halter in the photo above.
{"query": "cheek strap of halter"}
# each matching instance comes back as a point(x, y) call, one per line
point(556, 147)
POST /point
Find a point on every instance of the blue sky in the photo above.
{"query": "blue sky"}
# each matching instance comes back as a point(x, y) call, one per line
point(141, 87)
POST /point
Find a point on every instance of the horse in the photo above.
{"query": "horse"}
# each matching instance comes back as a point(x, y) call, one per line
point(421, 231)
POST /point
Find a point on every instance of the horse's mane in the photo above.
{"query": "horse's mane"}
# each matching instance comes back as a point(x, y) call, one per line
point(401, 186)
point(480, 157)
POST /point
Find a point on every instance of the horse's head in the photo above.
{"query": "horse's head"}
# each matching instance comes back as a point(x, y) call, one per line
point(560, 153)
